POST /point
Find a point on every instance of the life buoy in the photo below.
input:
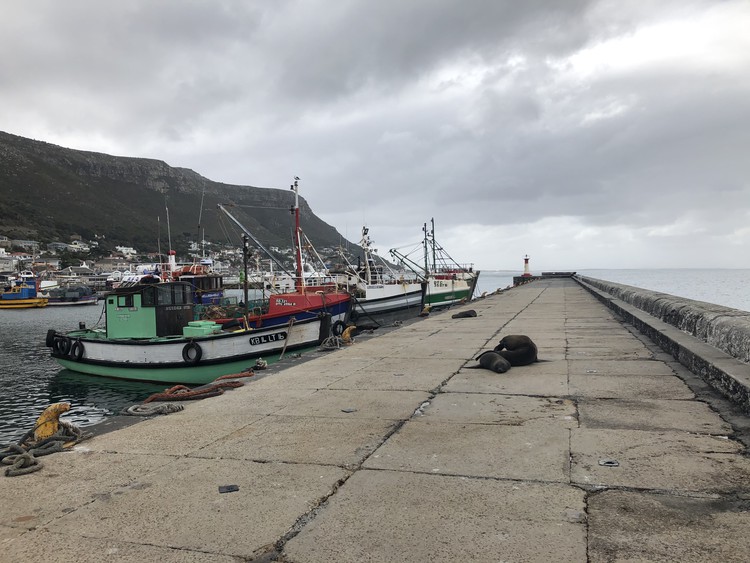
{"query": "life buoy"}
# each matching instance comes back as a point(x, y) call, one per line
point(338, 328)
point(62, 346)
point(192, 353)
point(76, 351)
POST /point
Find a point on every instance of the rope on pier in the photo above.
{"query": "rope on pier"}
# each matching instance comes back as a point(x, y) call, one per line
point(185, 393)
point(22, 457)
point(152, 410)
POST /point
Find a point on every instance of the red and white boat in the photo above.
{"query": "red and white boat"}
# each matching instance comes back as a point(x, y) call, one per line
point(305, 301)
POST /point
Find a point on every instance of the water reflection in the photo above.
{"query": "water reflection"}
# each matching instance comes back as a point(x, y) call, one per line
point(30, 380)
point(95, 397)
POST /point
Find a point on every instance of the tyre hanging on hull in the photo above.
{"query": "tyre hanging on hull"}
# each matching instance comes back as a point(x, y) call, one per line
point(61, 346)
point(76, 351)
point(338, 328)
point(192, 353)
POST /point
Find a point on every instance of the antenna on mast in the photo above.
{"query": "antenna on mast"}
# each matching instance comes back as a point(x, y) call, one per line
point(202, 234)
point(169, 232)
point(158, 235)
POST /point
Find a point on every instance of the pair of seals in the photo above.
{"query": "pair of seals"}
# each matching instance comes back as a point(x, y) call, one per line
point(512, 350)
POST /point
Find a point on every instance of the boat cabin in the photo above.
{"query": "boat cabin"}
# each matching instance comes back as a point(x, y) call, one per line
point(19, 289)
point(149, 310)
point(208, 289)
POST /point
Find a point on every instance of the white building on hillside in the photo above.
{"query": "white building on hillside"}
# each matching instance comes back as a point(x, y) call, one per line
point(126, 250)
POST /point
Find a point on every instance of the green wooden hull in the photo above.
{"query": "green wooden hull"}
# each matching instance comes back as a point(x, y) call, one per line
point(436, 299)
point(441, 292)
point(193, 375)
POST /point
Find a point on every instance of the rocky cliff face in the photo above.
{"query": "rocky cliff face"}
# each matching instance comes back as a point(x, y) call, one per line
point(51, 192)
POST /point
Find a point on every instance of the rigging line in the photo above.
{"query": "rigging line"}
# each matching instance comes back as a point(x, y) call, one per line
point(200, 211)
point(223, 224)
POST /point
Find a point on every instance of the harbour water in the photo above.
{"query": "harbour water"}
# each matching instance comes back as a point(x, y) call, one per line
point(30, 380)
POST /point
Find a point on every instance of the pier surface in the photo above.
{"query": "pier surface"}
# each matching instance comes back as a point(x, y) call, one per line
point(392, 450)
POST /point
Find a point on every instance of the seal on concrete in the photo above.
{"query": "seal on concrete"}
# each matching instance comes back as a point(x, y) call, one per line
point(493, 361)
point(518, 349)
point(464, 314)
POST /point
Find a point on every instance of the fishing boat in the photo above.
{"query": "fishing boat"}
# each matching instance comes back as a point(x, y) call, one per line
point(310, 297)
point(379, 293)
point(71, 296)
point(447, 282)
point(21, 293)
point(150, 334)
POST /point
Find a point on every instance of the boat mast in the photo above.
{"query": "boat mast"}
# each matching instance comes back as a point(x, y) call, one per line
point(426, 251)
point(251, 235)
point(432, 237)
point(366, 248)
point(297, 236)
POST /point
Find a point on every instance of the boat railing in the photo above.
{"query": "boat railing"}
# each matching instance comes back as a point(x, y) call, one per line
point(455, 269)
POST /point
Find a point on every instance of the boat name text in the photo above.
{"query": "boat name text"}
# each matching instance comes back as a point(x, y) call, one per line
point(266, 338)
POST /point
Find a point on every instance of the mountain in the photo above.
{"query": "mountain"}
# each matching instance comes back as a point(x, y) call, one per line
point(50, 193)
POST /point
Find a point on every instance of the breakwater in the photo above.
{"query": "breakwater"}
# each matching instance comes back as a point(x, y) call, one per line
point(724, 329)
point(396, 449)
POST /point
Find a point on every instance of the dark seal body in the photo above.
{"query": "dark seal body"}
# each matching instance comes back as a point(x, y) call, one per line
point(493, 361)
point(519, 350)
point(465, 314)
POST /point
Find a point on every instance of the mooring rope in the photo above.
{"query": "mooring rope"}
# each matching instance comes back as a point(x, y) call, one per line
point(185, 393)
point(22, 457)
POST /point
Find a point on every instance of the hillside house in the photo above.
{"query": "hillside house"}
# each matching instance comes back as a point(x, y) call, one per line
point(30, 245)
point(127, 251)
point(78, 246)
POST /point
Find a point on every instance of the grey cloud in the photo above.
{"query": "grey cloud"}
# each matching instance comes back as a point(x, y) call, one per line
point(391, 112)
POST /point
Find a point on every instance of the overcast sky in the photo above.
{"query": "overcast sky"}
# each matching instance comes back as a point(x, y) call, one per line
point(586, 134)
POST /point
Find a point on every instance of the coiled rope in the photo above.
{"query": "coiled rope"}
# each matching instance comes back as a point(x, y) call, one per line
point(22, 456)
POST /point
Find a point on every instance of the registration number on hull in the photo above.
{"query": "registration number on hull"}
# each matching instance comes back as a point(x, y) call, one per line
point(266, 338)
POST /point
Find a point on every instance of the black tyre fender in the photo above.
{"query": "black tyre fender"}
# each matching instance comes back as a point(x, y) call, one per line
point(192, 352)
point(62, 346)
point(338, 328)
point(76, 350)
point(50, 340)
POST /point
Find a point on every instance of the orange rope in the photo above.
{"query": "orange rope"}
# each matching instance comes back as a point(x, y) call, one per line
point(236, 375)
point(184, 393)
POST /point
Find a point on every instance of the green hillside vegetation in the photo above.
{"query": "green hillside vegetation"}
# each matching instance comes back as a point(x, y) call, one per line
point(51, 193)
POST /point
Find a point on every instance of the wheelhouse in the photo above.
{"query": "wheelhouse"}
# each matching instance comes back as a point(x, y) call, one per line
point(149, 310)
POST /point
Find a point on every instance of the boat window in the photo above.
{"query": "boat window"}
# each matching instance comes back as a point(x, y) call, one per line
point(164, 295)
point(179, 295)
point(148, 297)
point(125, 301)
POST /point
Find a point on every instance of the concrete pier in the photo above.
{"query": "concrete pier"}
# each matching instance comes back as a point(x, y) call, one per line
point(393, 450)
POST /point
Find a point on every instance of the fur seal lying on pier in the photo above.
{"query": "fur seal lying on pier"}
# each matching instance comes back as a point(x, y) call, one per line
point(518, 349)
point(464, 314)
point(493, 361)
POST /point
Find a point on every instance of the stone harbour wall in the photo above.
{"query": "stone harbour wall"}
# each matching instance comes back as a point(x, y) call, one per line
point(712, 341)
point(722, 327)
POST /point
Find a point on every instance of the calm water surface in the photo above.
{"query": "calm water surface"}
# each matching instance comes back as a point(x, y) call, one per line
point(30, 380)
point(730, 288)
